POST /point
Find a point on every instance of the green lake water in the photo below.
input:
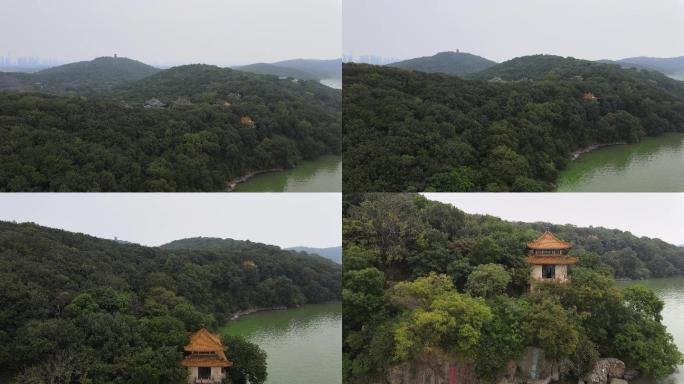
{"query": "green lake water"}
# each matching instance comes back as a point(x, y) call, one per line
point(671, 291)
point(321, 175)
point(656, 164)
point(304, 345)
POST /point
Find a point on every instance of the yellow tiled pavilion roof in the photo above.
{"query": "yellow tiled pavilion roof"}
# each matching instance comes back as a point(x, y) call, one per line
point(548, 241)
point(551, 260)
point(205, 350)
point(196, 361)
point(204, 341)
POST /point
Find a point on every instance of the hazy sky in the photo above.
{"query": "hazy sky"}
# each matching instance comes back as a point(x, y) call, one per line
point(656, 215)
point(221, 32)
point(283, 219)
point(504, 29)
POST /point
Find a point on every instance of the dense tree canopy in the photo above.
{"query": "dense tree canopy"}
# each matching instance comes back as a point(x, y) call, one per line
point(423, 276)
point(213, 125)
point(412, 131)
point(97, 311)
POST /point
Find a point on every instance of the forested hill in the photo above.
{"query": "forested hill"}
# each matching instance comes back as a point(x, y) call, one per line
point(81, 77)
point(557, 68)
point(450, 63)
point(422, 277)
point(212, 84)
point(412, 131)
point(272, 69)
point(90, 306)
point(204, 243)
point(190, 128)
point(471, 240)
point(209, 243)
point(536, 67)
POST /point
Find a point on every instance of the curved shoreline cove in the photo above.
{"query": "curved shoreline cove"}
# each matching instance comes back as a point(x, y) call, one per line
point(321, 175)
point(656, 164)
point(671, 291)
point(303, 345)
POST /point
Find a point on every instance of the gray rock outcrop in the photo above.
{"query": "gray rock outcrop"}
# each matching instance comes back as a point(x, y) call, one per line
point(618, 381)
point(434, 368)
point(604, 371)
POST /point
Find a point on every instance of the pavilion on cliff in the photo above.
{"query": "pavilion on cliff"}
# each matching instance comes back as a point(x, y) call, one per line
point(206, 359)
point(548, 257)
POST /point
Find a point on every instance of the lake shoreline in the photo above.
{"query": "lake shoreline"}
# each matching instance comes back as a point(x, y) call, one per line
point(250, 311)
point(321, 174)
point(575, 155)
point(232, 184)
point(594, 147)
point(650, 165)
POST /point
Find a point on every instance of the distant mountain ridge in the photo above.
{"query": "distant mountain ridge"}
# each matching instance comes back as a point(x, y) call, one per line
point(534, 67)
point(111, 69)
point(322, 68)
point(671, 66)
point(82, 76)
point(105, 73)
point(475, 67)
point(303, 69)
point(216, 243)
point(332, 253)
point(449, 63)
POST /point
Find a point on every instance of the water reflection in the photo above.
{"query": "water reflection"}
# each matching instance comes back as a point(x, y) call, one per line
point(321, 175)
point(653, 165)
point(304, 345)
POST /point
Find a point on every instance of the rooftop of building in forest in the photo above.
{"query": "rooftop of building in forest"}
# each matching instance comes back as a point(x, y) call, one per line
point(548, 241)
point(549, 250)
point(205, 350)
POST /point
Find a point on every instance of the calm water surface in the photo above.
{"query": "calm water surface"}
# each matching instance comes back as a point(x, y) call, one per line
point(321, 175)
point(671, 291)
point(304, 345)
point(656, 164)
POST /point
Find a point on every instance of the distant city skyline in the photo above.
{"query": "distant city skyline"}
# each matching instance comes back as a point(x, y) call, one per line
point(172, 32)
point(368, 59)
point(27, 61)
point(501, 30)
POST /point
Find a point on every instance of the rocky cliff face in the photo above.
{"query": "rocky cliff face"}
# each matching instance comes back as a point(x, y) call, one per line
point(531, 368)
point(434, 368)
point(608, 371)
